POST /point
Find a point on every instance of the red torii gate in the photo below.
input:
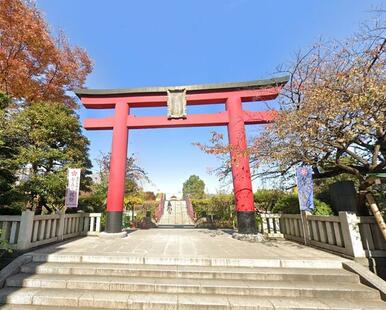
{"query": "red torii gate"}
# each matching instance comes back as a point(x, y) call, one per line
point(235, 118)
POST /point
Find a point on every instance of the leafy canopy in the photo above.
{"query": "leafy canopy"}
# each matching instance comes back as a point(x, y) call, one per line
point(194, 187)
point(35, 65)
point(332, 113)
point(50, 142)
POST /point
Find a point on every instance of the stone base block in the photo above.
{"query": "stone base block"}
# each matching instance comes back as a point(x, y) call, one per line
point(249, 237)
point(246, 222)
point(107, 235)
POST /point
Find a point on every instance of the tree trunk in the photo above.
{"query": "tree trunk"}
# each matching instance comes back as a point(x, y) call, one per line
point(362, 205)
point(377, 214)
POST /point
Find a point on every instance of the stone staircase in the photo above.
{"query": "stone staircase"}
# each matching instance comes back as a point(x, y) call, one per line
point(178, 215)
point(98, 282)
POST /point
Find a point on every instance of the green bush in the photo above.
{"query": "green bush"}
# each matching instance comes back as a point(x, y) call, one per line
point(220, 208)
point(321, 208)
point(11, 210)
point(141, 210)
point(126, 223)
point(92, 203)
point(103, 220)
point(4, 246)
point(201, 207)
point(265, 199)
point(289, 204)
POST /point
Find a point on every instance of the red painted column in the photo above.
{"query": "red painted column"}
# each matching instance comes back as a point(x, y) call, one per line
point(242, 183)
point(118, 161)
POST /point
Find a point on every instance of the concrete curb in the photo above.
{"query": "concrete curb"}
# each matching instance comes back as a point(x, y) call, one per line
point(367, 277)
point(13, 267)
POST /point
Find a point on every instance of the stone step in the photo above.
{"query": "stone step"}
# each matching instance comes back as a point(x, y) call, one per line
point(188, 226)
point(188, 261)
point(34, 307)
point(193, 272)
point(195, 286)
point(69, 299)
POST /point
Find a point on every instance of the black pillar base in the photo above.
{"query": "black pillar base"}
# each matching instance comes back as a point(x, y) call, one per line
point(246, 222)
point(114, 222)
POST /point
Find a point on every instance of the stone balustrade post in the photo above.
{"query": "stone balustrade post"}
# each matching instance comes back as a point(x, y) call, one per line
point(86, 223)
point(25, 230)
point(264, 224)
point(61, 225)
point(351, 234)
point(98, 224)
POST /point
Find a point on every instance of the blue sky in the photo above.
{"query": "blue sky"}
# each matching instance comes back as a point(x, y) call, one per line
point(174, 42)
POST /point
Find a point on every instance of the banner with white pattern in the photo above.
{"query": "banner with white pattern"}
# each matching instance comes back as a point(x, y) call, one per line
point(72, 192)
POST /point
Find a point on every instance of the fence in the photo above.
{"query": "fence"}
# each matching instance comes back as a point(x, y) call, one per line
point(189, 207)
point(160, 209)
point(372, 239)
point(27, 230)
point(346, 234)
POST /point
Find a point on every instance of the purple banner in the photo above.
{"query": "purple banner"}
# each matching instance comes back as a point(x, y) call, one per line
point(305, 188)
point(72, 192)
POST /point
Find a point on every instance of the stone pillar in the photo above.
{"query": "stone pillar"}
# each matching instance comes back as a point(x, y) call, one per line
point(117, 176)
point(25, 230)
point(242, 184)
point(62, 218)
point(351, 234)
point(264, 224)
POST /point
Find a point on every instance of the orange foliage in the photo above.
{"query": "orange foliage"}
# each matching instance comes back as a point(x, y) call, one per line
point(332, 113)
point(34, 65)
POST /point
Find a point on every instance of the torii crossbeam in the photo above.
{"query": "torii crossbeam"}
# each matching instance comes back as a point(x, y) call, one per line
point(235, 118)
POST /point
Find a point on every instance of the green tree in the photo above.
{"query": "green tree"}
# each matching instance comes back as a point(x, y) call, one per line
point(194, 187)
point(50, 142)
point(8, 151)
point(96, 199)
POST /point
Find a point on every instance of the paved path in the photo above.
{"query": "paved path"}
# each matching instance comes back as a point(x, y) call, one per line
point(175, 214)
point(186, 243)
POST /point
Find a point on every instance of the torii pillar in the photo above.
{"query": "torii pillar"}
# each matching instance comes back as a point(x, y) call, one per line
point(117, 176)
point(242, 183)
point(235, 118)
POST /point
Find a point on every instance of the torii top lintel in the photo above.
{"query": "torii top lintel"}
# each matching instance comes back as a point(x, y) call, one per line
point(258, 90)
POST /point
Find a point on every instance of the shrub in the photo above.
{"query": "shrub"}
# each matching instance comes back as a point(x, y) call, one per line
point(4, 246)
point(9, 210)
point(92, 203)
point(321, 208)
point(289, 204)
point(220, 207)
point(126, 223)
point(201, 207)
point(265, 199)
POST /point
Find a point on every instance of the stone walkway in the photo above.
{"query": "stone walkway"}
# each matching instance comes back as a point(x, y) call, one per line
point(186, 243)
point(175, 214)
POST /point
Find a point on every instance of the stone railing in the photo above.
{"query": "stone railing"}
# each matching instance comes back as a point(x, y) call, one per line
point(346, 234)
point(159, 211)
point(373, 243)
point(28, 230)
point(189, 207)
